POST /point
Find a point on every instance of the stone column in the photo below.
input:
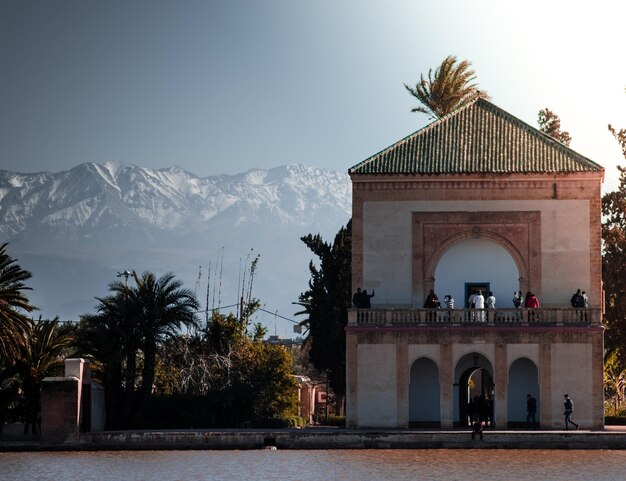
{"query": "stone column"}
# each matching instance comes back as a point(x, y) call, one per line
point(352, 359)
point(62, 403)
point(402, 384)
point(545, 385)
point(60, 410)
point(501, 381)
point(447, 381)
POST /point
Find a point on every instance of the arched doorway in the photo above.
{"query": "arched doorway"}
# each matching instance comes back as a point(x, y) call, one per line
point(424, 397)
point(474, 390)
point(477, 262)
point(523, 380)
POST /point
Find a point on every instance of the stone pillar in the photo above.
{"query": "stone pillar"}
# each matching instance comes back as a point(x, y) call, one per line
point(501, 381)
point(545, 385)
point(447, 381)
point(60, 410)
point(402, 384)
point(63, 403)
point(352, 360)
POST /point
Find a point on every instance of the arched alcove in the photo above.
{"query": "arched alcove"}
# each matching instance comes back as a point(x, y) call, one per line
point(523, 380)
point(473, 365)
point(424, 394)
point(477, 261)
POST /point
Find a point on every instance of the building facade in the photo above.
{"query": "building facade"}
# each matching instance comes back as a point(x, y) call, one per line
point(477, 200)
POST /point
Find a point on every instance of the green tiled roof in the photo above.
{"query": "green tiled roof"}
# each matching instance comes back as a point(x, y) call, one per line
point(476, 138)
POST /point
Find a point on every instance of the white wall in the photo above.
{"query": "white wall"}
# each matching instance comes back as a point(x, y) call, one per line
point(477, 260)
point(387, 245)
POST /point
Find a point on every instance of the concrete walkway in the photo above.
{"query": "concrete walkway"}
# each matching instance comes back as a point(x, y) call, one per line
point(612, 437)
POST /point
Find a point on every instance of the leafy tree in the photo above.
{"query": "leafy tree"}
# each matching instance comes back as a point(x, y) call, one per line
point(550, 124)
point(614, 255)
point(326, 304)
point(446, 89)
point(164, 308)
point(614, 381)
point(124, 335)
point(14, 324)
point(47, 346)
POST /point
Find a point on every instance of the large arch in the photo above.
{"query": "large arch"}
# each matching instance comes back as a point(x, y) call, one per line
point(433, 233)
point(471, 261)
point(466, 367)
point(523, 380)
point(424, 394)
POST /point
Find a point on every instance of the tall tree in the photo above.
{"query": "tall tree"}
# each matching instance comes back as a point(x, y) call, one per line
point(326, 304)
point(14, 324)
point(47, 346)
point(550, 124)
point(165, 307)
point(446, 89)
point(614, 255)
point(128, 326)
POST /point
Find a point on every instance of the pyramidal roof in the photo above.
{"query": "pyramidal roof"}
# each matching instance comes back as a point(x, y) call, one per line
point(476, 138)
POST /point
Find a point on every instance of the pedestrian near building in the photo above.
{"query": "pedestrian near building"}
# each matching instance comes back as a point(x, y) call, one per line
point(568, 411)
point(531, 411)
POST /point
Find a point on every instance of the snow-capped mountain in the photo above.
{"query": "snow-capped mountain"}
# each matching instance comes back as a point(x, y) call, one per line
point(75, 229)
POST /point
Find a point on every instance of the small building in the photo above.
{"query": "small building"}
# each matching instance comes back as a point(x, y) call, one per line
point(477, 200)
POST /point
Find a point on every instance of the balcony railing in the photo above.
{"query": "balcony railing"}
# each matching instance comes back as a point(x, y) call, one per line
point(474, 317)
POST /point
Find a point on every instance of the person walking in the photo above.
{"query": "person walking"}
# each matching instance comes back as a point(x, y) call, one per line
point(569, 410)
point(531, 411)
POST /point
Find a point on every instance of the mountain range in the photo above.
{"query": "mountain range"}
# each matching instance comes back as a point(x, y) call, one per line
point(75, 230)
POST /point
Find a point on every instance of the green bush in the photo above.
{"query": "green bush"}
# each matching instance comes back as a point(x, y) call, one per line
point(615, 420)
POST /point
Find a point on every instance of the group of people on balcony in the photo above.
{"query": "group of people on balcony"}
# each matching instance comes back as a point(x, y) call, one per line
point(476, 300)
point(529, 302)
point(361, 299)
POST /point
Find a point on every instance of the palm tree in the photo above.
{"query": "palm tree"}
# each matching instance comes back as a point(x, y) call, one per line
point(164, 308)
point(14, 324)
point(46, 347)
point(447, 89)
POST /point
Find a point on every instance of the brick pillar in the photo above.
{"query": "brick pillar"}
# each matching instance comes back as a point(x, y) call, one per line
point(60, 410)
point(62, 403)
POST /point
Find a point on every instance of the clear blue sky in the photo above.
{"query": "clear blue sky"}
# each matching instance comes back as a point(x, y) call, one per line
point(224, 86)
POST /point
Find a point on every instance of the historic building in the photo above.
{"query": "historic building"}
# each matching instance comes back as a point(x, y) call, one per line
point(477, 200)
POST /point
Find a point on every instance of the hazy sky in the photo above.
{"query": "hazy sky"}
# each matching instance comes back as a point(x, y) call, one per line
point(224, 86)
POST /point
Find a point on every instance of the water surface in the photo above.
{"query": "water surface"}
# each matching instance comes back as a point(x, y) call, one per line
point(324, 465)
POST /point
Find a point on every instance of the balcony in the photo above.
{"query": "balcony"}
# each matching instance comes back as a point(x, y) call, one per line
point(474, 317)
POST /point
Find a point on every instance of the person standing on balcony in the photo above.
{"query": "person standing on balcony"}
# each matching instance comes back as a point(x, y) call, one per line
point(479, 303)
point(577, 300)
point(432, 301)
point(366, 299)
point(517, 299)
point(585, 300)
point(531, 301)
point(490, 302)
point(357, 299)
point(449, 300)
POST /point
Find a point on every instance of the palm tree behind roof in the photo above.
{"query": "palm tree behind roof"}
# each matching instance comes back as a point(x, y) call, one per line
point(450, 86)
